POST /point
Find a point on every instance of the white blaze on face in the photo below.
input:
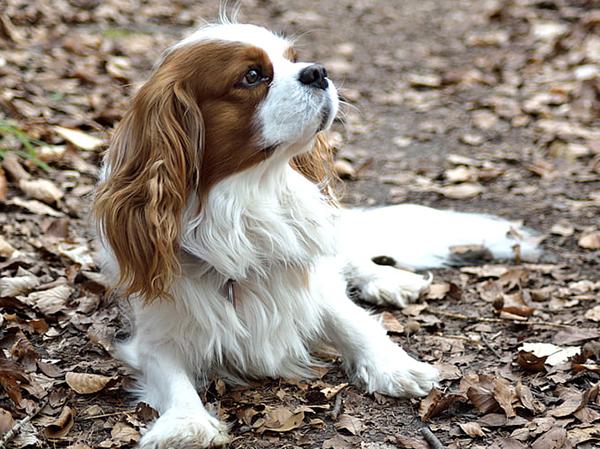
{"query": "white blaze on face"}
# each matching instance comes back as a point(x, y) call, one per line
point(293, 112)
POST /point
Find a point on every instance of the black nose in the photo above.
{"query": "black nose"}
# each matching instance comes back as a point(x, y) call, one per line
point(314, 75)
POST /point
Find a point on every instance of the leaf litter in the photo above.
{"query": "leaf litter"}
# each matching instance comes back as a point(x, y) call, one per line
point(526, 69)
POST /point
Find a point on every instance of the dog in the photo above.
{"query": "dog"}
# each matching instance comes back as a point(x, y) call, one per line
point(217, 222)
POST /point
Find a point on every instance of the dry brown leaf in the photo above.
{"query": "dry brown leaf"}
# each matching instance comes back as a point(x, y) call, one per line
point(349, 423)
point(41, 189)
point(555, 355)
point(6, 249)
point(124, 433)
point(435, 403)
point(461, 191)
point(412, 442)
point(50, 301)
point(337, 442)
point(553, 439)
point(281, 419)
point(515, 304)
point(526, 398)
point(11, 163)
point(78, 138)
point(84, 383)
point(344, 169)
point(35, 207)
point(507, 443)
point(590, 240)
point(6, 421)
point(472, 429)
point(18, 285)
point(3, 186)
point(60, 427)
point(480, 393)
point(331, 392)
point(11, 379)
point(77, 251)
point(593, 314)
point(505, 395)
point(391, 323)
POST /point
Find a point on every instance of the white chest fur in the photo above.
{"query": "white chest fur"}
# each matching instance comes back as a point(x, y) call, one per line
point(265, 229)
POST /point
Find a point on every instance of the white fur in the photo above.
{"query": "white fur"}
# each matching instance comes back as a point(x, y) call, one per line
point(271, 231)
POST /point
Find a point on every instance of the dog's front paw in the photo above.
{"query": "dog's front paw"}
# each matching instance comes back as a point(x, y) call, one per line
point(398, 375)
point(391, 286)
point(184, 429)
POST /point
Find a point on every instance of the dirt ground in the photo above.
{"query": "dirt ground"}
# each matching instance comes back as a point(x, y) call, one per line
point(487, 106)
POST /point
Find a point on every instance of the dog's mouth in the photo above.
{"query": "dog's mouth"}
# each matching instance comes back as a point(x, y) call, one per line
point(326, 118)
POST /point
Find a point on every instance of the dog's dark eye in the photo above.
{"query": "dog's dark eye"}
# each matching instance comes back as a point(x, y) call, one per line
point(253, 77)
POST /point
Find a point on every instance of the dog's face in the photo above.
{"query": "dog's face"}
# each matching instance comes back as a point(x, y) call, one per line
point(250, 82)
point(221, 101)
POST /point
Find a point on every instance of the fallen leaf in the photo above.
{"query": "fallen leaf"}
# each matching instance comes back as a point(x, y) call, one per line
point(590, 240)
point(472, 429)
point(84, 383)
point(555, 354)
point(435, 403)
point(412, 442)
point(50, 301)
point(461, 191)
point(41, 189)
point(78, 138)
point(281, 419)
point(331, 392)
point(526, 398)
point(507, 443)
point(3, 186)
point(553, 439)
point(35, 207)
point(18, 285)
point(504, 395)
point(124, 433)
point(6, 421)
point(349, 423)
point(593, 314)
point(6, 249)
point(11, 378)
point(337, 442)
point(60, 427)
point(344, 169)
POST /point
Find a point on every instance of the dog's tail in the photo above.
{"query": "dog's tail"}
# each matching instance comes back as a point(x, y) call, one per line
point(420, 237)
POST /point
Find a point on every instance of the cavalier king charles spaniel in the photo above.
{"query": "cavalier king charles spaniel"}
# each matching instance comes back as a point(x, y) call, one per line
point(217, 222)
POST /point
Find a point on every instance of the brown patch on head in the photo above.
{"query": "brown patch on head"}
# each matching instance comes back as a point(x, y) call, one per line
point(189, 126)
point(291, 54)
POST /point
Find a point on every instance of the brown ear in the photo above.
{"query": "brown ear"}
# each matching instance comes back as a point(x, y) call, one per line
point(317, 165)
point(153, 167)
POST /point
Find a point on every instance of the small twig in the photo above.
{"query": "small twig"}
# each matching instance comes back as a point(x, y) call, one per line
point(106, 415)
point(431, 439)
point(19, 425)
point(490, 347)
point(337, 407)
point(459, 316)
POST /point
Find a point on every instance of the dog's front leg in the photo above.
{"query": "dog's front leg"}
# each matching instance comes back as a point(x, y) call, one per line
point(167, 385)
point(369, 356)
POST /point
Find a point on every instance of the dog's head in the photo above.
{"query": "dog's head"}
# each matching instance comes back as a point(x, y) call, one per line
point(225, 99)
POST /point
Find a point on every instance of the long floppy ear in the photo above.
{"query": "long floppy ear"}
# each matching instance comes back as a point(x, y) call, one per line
point(153, 167)
point(317, 165)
